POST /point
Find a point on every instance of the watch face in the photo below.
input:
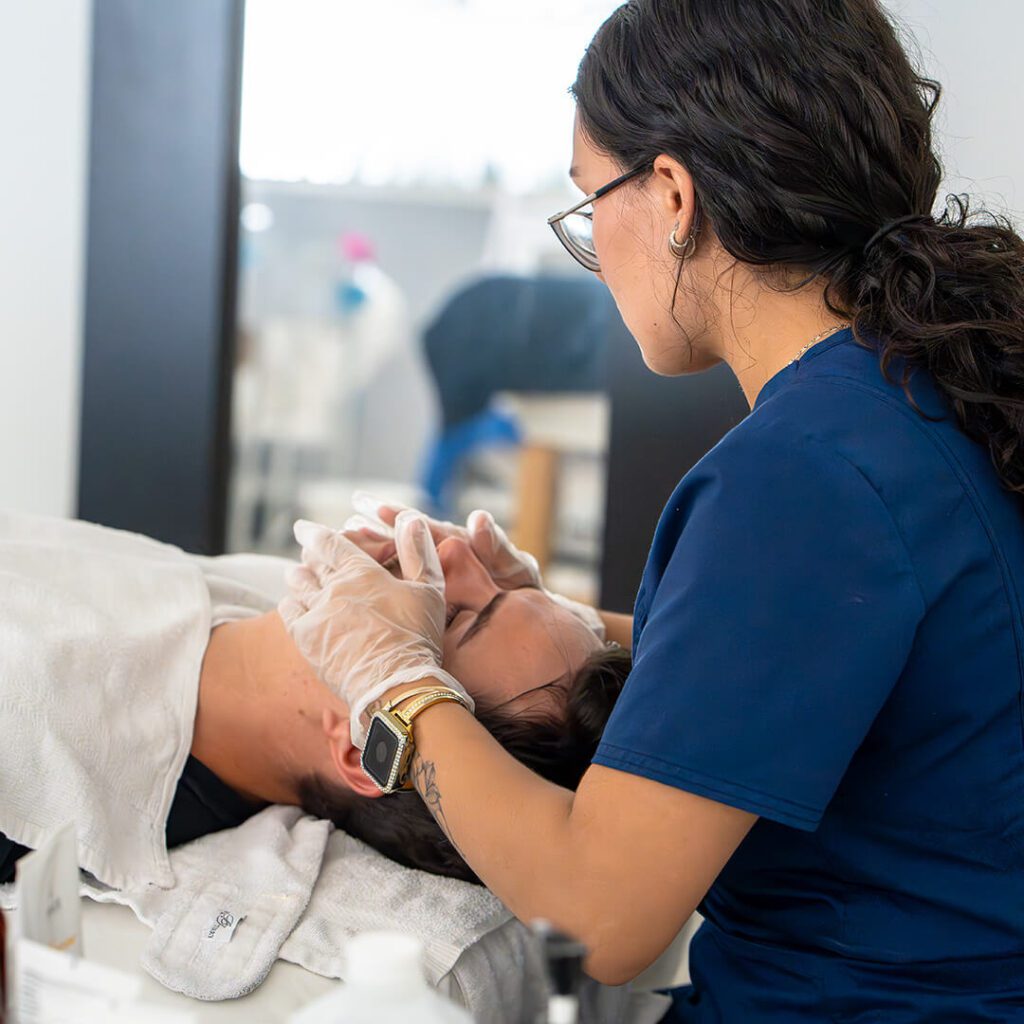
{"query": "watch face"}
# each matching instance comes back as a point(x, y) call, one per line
point(382, 753)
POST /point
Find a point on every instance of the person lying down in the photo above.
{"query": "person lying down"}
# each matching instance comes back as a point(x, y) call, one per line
point(266, 730)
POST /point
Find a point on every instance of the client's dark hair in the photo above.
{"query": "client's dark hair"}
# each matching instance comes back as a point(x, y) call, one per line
point(558, 746)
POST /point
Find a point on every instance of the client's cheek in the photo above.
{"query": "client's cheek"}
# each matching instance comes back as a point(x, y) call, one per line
point(449, 657)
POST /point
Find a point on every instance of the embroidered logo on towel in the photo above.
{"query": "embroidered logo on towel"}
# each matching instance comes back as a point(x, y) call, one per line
point(220, 930)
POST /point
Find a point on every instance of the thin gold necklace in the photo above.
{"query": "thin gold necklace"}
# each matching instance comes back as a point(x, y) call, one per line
point(820, 337)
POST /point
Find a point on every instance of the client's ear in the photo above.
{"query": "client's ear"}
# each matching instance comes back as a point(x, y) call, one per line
point(345, 755)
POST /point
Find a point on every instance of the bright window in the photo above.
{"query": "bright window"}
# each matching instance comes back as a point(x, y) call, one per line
point(413, 92)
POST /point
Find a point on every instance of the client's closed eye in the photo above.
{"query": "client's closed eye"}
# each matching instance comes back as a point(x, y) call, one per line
point(482, 618)
point(484, 615)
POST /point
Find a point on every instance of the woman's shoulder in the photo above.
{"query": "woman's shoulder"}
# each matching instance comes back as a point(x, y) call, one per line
point(830, 441)
point(847, 410)
point(786, 466)
point(804, 429)
point(844, 446)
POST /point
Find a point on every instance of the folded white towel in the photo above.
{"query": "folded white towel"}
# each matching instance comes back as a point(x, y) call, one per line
point(239, 895)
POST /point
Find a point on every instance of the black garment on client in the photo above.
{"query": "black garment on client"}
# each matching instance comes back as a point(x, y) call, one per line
point(202, 804)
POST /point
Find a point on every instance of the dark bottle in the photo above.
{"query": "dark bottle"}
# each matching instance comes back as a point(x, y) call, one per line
point(563, 957)
point(3, 968)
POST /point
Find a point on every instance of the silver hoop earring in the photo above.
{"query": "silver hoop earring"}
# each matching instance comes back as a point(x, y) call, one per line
point(682, 250)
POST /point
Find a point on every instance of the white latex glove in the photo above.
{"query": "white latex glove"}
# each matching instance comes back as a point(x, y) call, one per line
point(509, 566)
point(363, 630)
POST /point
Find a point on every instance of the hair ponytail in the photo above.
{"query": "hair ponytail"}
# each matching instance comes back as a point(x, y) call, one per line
point(805, 129)
point(949, 295)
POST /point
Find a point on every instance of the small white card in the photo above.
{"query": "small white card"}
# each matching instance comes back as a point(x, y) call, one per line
point(49, 907)
point(56, 988)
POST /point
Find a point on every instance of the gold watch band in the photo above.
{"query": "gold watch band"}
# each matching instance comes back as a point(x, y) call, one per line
point(436, 695)
point(425, 697)
point(418, 691)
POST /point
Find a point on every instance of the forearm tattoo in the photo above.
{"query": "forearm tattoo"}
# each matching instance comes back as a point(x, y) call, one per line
point(424, 778)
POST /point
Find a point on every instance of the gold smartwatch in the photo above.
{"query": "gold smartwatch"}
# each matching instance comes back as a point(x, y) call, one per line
point(389, 745)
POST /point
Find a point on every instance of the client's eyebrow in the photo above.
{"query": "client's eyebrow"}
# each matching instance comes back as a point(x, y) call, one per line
point(482, 619)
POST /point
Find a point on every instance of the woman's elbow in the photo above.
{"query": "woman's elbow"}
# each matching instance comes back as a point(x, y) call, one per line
point(608, 972)
point(618, 958)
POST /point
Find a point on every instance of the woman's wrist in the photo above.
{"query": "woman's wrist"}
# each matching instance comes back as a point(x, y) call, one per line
point(408, 689)
point(618, 628)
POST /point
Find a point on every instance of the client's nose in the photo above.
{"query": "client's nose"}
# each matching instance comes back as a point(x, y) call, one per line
point(456, 556)
point(452, 548)
point(465, 578)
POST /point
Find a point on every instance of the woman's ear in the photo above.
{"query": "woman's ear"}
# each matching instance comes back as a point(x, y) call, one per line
point(345, 755)
point(674, 189)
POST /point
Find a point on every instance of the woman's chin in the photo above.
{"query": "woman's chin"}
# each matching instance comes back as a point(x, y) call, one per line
point(677, 360)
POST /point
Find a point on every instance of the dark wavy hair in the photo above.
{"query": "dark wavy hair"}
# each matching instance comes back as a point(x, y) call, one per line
point(556, 745)
point(805, 129)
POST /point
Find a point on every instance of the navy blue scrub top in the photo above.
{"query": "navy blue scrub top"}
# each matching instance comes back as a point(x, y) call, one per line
point(829, 635)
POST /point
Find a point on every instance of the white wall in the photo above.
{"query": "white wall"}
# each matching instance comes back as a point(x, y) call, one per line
point(973, 50)
point(44, 77)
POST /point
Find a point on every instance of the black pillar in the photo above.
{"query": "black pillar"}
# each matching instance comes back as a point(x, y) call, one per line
point(660, 427)
point(161, 268)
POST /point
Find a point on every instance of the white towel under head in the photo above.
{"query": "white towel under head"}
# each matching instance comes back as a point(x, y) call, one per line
point(474, 948)
point(296, 890)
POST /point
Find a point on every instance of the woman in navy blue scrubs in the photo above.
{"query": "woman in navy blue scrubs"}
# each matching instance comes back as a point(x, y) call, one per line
point(821, 743)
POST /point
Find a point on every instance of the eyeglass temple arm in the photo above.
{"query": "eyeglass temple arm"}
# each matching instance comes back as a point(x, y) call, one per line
point(603, 190)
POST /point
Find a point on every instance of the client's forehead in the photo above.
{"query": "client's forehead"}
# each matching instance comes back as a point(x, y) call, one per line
point(529, 641)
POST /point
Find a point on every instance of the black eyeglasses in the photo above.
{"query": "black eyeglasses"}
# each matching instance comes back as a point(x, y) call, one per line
point(574, 227)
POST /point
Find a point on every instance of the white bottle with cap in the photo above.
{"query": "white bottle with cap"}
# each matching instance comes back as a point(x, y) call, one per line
point(384, 984)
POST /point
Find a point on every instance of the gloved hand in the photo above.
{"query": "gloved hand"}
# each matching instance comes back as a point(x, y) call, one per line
point(509, 566)
point(363, 630)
